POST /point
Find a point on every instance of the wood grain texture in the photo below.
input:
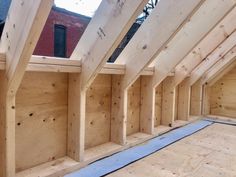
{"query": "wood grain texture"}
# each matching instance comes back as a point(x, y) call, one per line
point(41, 119)
point(147, 101)
point(210, 152)
point(158, 106)
point(119, 99)
point(21, 33)
point(133, 115)
point(76, 124)
point(196, 99)
point(215, 37)
point(183, 109)
point(168, 102)
point(190, 35)
point(98, 112)
point(223, 96)
point(110, 23)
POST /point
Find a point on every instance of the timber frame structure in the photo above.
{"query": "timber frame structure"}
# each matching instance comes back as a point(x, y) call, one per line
point(58, 115)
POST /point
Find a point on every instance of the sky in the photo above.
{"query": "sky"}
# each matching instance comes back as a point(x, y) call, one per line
point(84, 7)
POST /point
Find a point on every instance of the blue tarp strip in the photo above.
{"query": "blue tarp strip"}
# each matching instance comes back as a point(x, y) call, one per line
point(126, 157)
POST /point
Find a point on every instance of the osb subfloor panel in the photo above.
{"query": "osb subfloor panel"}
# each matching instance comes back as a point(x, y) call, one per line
point(208, 153)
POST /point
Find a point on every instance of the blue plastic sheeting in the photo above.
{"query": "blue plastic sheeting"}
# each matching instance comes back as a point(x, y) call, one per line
point(126, 157)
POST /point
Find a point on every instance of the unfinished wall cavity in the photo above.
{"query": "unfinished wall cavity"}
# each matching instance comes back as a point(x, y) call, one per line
point(223, 95)
point(41, 119)
point(133, 115)
point(98, 112)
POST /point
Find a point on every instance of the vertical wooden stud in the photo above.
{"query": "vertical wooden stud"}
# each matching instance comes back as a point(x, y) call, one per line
point(76, 118)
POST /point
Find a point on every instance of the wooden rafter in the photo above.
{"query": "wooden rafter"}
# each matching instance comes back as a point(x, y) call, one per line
point(215, 56)
point(225, 64)
point(143, 47)
point(110, 23)
point(190, 36)
point(220, 33)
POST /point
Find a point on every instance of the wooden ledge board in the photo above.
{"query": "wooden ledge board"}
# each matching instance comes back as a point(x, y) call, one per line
point(66, 65)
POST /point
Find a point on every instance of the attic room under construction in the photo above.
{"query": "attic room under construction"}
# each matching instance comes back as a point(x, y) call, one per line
point(165, 107)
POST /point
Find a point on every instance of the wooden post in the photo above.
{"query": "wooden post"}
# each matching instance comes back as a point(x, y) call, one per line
point(75, 145)
point(7, 136)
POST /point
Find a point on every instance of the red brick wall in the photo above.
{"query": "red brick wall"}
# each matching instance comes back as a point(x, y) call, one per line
point(75, 25)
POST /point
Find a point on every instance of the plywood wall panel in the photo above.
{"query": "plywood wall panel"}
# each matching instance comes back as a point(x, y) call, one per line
point(133, 115)
point(158, 107)
point(2, 127)
point(196, 99)
point(98, 112)
point(41, 119)
point(223, 95)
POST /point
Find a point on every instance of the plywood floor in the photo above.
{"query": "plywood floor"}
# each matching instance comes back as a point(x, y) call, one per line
point(208, 153)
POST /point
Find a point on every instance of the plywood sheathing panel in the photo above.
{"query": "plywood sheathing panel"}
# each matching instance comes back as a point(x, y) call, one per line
point(2, 124)
point(158, 105)
point(98, 112)
point(223, 95)
point(133, 114)
point(41, 119)
point(196, 99)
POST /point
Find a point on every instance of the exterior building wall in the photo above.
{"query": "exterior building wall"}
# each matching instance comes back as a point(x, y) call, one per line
point(75, 25)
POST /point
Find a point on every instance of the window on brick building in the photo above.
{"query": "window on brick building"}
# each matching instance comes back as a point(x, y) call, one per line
point(59, 41)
